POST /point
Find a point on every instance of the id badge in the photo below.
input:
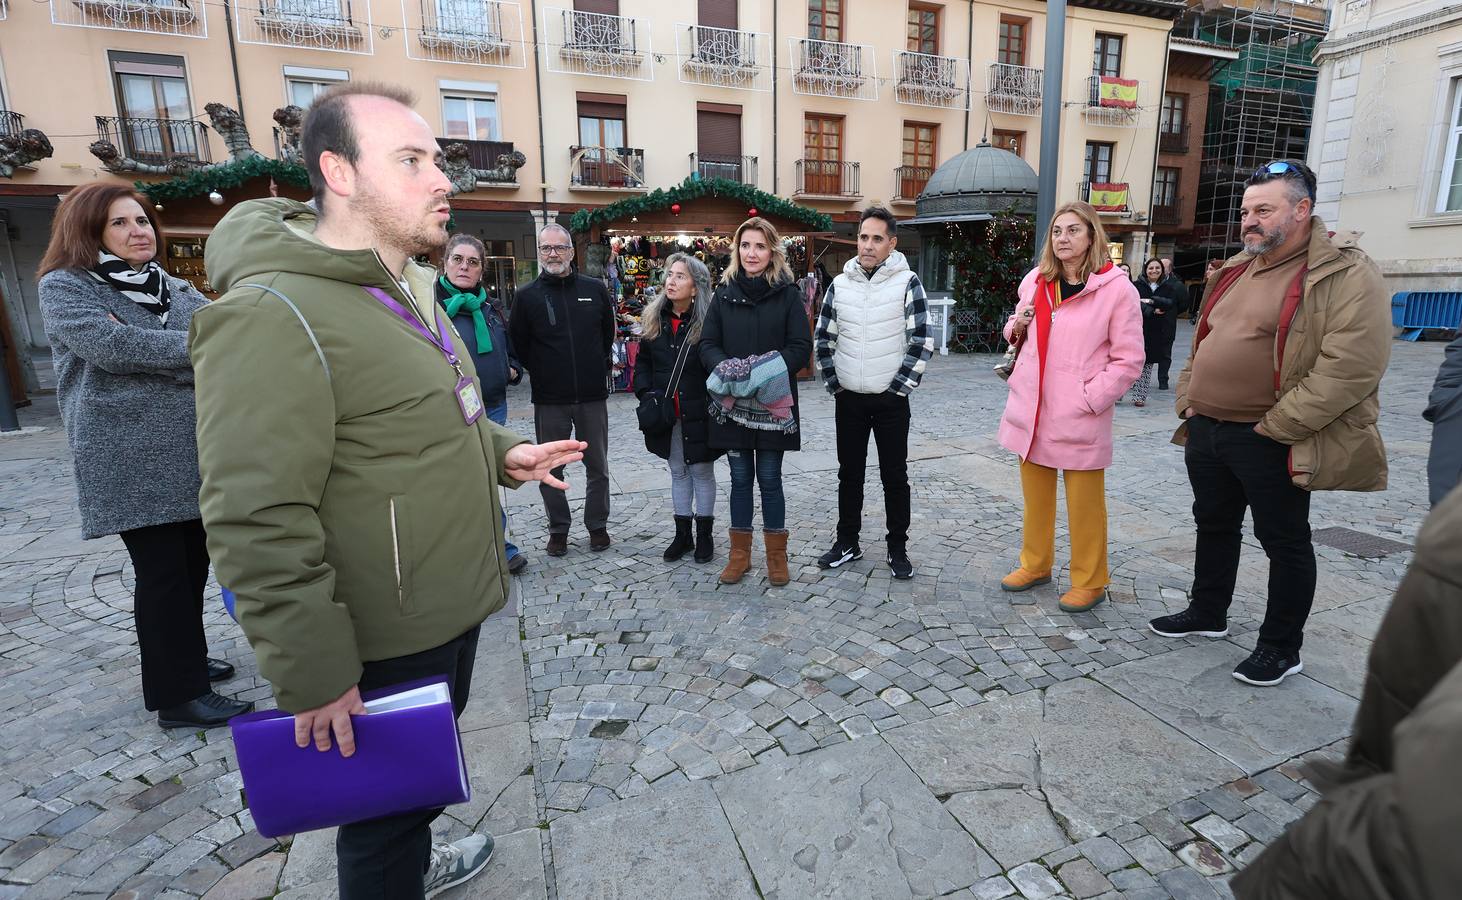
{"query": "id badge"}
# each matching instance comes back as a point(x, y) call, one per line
point(468, 399)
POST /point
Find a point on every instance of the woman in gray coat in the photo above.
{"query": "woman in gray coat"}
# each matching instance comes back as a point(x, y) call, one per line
point(118, 326)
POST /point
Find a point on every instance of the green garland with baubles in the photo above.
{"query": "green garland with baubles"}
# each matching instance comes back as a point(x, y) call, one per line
point(224, 176)
point(694, 187)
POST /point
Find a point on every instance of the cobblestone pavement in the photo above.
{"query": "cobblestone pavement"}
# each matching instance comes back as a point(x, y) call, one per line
point(639, 730)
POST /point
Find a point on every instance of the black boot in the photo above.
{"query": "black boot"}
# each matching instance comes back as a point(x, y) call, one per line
point(682, 542)
point(705, 545)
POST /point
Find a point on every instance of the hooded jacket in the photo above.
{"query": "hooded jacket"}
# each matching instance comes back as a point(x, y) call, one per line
point(563, 331)
point(873, 332)
point(349, 508)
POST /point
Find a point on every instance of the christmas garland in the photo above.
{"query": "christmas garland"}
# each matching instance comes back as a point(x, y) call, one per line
point(224, 176)
point(694, 187)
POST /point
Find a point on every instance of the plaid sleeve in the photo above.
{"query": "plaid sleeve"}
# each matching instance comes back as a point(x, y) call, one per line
point(826, 339)
point(921, 342)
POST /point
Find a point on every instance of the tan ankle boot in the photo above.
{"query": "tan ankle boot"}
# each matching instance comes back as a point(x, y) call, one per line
point(740, 557)
point(776, 542)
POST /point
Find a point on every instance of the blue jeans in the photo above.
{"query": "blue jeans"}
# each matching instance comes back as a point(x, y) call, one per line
point(499, 414)
point(765, 468)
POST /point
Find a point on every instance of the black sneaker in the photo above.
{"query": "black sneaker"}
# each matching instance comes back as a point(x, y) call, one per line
point(1267, 666)
point(1187, 624)
point(898, 561)
point(842, 552)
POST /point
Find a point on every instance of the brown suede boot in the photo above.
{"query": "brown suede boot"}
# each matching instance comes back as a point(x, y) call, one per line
point(776, 542)
point(740, 557)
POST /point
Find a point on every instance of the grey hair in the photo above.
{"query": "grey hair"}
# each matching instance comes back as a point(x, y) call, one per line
point(469, 240)
point(554, 226)
point(701, 276)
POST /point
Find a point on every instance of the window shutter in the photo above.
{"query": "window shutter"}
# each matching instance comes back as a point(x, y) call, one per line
point(718, 134)
point(716, 13)
point(608, 7)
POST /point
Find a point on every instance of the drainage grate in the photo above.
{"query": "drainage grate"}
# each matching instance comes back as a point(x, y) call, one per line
point(1358, 543)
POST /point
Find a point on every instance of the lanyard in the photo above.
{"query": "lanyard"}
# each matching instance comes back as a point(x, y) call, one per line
point(443, 344)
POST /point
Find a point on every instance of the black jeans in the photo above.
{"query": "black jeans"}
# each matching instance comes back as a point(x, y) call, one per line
point(386, 858)
point(886, 415)
point(171, 565)
point(1231, 467)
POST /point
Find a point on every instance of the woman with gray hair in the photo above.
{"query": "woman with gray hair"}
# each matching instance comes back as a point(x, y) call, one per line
point(670, 330)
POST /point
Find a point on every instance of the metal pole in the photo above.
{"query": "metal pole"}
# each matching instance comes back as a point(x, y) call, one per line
point(1051, 110)
point(8, 420)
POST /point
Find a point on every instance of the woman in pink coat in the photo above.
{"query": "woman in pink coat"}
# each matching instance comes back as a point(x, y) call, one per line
point(1083, 354)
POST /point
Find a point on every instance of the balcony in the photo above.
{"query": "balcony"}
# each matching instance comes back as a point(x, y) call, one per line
point(606, 168)
point(1169, 214)
point(834, 69)
point(741, 169)
point(467, 32)
point(1106, 197)
point(491, 161)
point(1013, 89)
point(11, 123)
point(832, 179)
point(1112, 101)
point(1173, 138)
point(343, 26)
point(724, 57)
point(585, 43)
point(157, 142)
point(922, 79)
point(180, 18)
point(909, 182)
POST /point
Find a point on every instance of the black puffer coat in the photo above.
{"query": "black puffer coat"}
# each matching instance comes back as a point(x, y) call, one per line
point(747, 318)
point(653, 368)
point(1159, 320)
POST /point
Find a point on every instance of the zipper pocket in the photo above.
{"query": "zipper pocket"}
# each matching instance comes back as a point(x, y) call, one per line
point(396, 558)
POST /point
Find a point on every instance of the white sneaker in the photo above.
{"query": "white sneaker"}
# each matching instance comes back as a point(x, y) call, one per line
point(454, 863)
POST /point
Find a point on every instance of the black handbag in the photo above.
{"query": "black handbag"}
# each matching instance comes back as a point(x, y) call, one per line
point(656, 412)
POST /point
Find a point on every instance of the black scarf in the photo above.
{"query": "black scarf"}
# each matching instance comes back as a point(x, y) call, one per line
point(147, 288)
point(755, 289)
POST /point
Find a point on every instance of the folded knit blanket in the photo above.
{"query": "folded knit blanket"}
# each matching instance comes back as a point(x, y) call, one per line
point(754, 392)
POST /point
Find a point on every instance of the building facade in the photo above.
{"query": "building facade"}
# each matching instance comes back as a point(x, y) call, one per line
point(832, 103)
point(1387, 142)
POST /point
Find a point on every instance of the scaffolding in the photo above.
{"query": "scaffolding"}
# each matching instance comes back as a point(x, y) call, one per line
point(1260, 105)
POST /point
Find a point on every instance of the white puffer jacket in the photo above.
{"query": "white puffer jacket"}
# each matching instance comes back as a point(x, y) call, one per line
point(872, 324)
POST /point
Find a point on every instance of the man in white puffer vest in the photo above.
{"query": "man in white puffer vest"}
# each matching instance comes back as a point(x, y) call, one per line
point(873, 342)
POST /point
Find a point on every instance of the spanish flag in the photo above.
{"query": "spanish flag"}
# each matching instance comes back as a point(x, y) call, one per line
point(1120, 93)
point(1108, 197)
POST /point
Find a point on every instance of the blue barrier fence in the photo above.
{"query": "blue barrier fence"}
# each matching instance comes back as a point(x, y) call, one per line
point(1415, 311)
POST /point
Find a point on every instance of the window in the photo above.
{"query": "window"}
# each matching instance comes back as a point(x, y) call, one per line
point(1167, 186)
point(825, 20)
point(153, 102)
point(471, 117)
point(601, 125)
point(1013, 33)
point(718, 141)
point(302, 84)
point(1174, 113)
point(1014, 141)
point(924, 29)
point(921, 142)
point(1098, 161)
point(1107, 60)
point(1449, 198)
point(823, 152)
point(716, 13)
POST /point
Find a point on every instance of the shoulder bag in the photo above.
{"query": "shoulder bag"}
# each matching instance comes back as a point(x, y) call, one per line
point(656, 411)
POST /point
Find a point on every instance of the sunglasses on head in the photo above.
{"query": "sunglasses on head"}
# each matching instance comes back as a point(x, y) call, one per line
point(1280, 168)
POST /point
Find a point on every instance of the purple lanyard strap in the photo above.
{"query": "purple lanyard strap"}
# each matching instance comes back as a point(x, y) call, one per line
point(444, 344)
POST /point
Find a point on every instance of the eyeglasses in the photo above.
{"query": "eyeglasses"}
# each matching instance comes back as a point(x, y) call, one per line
point(1284, 169)
point(552, 249)
point(471, 261)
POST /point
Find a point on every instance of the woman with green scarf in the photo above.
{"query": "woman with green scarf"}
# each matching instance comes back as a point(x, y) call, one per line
point(459, 290)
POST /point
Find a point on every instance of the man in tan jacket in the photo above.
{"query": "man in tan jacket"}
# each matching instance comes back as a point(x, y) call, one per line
point(1279, 399)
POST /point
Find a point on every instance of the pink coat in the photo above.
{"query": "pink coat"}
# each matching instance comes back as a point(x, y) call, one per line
point(1096, 353)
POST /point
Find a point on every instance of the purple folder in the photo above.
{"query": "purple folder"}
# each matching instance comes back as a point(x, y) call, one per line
point(408, 757)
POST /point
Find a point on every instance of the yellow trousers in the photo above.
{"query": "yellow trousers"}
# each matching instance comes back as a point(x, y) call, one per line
point(1086, 513)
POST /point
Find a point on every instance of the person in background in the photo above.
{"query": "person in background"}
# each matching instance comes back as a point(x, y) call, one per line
point(1086, 352)
point(757, 311)
point(1126, 270)
point(1444, 411)
point(1159, 302)
point(1168, 321)
point(118, 326)
point(1195, 302)
point(671, 326)
point(460, 292)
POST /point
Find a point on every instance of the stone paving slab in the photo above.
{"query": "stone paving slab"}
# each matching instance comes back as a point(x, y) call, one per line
point(989, 746)
point(1254, 728)
point(514, 873)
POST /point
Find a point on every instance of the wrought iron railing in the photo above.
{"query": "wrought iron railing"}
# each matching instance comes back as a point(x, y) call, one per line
point(1117, 104)
point(733, 168)
point(833, 69)
point(1104, 200)
point(722, 47)
point(606, 167)
point(924, 79)
point(155, 141)
point(182, 18)
point(910, 181)
point(11, 123)
point(1013, 89)
point(1172, 137)
point(723, 57)
point(481, 154)
point(338, 25)
point(1167, 213)
point(828, 178)
point(588, 32)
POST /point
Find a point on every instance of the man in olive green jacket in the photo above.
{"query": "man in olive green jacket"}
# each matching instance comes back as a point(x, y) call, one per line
point(350, 480)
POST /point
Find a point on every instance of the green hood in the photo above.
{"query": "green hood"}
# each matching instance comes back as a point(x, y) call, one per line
point(258, 238)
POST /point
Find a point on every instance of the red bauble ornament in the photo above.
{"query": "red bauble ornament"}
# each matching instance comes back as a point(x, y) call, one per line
point(675, 208)
point(751, 212)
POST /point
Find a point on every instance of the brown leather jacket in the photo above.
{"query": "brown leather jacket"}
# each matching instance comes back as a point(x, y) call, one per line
point(1337, 348)
point(1387, 829)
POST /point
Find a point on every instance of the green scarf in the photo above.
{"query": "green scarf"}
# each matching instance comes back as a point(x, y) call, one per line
point(458, 300)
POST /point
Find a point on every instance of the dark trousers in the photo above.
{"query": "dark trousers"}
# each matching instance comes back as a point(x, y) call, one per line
point(1233, 467)
point(886, 415)
point(171, 565)
point(386, 858)
point(1163, 365)
point(587, 422)
point(764, 469)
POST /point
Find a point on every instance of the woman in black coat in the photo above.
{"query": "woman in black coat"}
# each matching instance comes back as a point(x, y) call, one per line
point(1159, 325)
point(757, 309)
point(672, 322)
